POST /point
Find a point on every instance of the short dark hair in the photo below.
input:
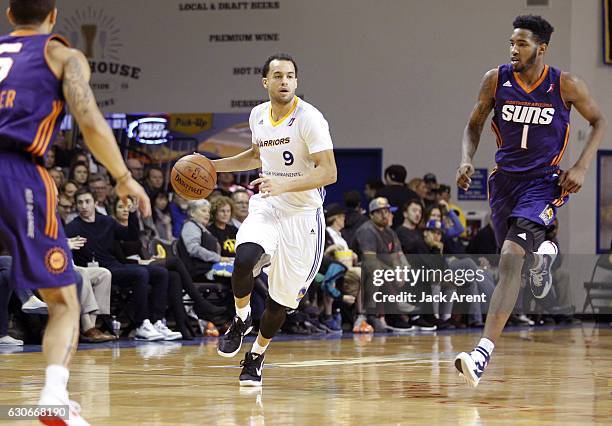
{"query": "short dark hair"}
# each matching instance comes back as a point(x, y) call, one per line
point(412, 201)
point(540, 27)
point(278, 57)
point(352, 199)
point(396, 172)
point(31, 11)
point(82, 191)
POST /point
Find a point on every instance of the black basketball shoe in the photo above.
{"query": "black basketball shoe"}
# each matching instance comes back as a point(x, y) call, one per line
point(252, 365)
point(231, 341)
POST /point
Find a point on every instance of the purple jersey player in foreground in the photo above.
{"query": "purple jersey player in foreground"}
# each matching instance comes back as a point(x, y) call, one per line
point(38, 72)
point(531, 105)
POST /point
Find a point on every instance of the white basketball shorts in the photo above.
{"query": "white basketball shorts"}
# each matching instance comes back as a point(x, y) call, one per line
point(293, 243)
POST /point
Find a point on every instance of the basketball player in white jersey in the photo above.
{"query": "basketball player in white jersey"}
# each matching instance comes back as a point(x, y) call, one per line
point(285, 227)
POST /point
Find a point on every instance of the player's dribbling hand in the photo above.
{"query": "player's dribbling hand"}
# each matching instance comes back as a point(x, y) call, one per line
point(133, 188)
point(464, 172)
point(268, 186)
point(571, 180)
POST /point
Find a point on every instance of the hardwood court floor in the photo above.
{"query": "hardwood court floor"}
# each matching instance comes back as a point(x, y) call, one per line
point(537, 376)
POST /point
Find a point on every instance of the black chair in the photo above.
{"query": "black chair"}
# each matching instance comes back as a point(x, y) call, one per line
point(599, 290)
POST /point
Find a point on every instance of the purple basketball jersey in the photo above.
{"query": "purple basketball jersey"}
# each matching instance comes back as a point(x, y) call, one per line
point(31, 97)
point(531, 124)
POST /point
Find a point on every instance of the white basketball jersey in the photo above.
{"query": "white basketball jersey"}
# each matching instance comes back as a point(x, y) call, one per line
point(285, 147)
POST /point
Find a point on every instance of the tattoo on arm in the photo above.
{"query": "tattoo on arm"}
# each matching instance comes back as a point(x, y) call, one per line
point(76, 88)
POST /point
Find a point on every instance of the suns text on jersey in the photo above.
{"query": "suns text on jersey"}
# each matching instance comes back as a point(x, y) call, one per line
point(528, 112)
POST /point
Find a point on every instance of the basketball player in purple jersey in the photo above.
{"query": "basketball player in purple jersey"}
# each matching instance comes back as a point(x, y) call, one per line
point(38, 73)
point(531, 104)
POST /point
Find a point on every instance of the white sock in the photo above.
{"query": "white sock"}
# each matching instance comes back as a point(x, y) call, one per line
point(56, 376)
point(487, 345)
point(243, 313)
point(257, 348)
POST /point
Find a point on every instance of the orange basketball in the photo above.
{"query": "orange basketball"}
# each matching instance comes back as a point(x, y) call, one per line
point(193, 177)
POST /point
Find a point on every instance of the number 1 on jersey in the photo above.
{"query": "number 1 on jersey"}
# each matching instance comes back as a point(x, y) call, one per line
point(524, 138)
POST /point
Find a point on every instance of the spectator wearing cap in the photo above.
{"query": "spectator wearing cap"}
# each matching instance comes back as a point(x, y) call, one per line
point(431, 181)
point(378, 247)
point(354, 215)
point(396, 191)
point(337, 247)
point(443, 194)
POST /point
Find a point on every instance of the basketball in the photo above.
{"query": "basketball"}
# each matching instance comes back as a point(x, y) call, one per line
point(193, 177)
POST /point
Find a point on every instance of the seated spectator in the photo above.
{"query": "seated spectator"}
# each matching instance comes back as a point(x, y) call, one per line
point(101, 191)
point(354, 215)
point(50, 158)
point(337, 247)
point(162, 217)
point(419, 186)
point(154, 180)
point(197, 247)
point(372, 186)
point(396, 191)
point(378, 247)
point(65, 208)
point(431, 182)
point(5, 296)
point(178, 213)
point(240, 197)
point(101, 232)
point(409, 234)
point(79, 174)
point(69, 188)
point(94, 296)
point(135, 167)
point(57, 175)
point(226, 183)
point(443, 193)
point(221, 211)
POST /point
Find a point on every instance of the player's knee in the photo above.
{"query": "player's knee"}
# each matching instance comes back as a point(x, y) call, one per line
point(526, 234)
point(62, 299)
point(274, 307)
point(247, 256)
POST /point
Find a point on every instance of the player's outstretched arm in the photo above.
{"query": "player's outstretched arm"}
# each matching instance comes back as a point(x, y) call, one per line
point(575, 92)
point(96, 132)
point(473, 130)
point(246, 160)
point(323, 174)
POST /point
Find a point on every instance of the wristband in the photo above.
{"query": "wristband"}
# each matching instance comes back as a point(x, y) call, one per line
point(124, 177)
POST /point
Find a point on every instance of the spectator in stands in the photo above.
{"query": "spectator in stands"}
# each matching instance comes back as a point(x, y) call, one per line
point(69, 188)
point(221, 211)
point(5, 295)
point(431, 181)
point(354, 215)
point(136, 167)
point(178, 213)
point(65, 208)
point(154, 180)
point(162, 217)
point(94, 296)
point(337, 247)
point(372, 186)
point(225, 183)
point(241, 206)
point(178, 276)
point(197, 247)
point(409, 234)
point(378, 247)
point(57, 175)
point(419, 187)
point(50, 158)
point(396, 191)
point(79, 174)
point(100, 190)
point(484, 246)
point(443, 193)
point(101, 233)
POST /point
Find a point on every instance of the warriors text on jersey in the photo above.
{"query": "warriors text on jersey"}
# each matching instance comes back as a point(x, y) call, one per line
point(531, 124)
point(286, 147)
point(31, 97)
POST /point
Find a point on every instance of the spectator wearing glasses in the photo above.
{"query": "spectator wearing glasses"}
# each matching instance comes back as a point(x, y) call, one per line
point(241, 203)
